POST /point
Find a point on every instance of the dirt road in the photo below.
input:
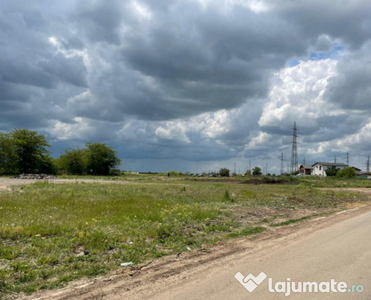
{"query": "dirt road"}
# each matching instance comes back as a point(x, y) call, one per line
point(341, 252)
point(7, 183)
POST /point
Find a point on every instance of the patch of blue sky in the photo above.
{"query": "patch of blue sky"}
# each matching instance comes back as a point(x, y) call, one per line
point(335, 53)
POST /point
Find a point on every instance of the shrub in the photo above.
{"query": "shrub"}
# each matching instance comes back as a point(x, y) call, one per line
point(224, 172)
point(346, 173)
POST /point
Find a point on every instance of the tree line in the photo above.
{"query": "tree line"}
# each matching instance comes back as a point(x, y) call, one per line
point(26, 151)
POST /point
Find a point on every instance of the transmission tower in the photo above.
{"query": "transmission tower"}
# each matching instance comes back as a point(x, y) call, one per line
point(348, 158)
point(368, 164)
point(282, 171)
point(294, 150)
point(304, 161)
point(335, 159)
point(266, 168)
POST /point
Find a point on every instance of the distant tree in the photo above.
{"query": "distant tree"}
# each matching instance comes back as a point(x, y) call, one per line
point(332, 171)
point(346, 173)
point(30, 150)
point(101, 159)
point(95, 159)
point(73, 161)
point(248, 173)
point(175, 173)
point(257, 171)
point(8, 158)
point(224, 172)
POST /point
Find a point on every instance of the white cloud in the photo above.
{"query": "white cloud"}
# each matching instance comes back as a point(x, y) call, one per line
point(142, 11)
point(173, 131)
point(297, 95)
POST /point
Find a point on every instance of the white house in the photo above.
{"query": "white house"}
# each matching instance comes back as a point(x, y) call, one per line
point(319, 168)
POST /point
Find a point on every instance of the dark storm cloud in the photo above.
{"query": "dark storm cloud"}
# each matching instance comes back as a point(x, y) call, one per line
point(70, 70)
point(348, 21)
point(99, 20)
point(351, 87)
point(204, 60)
point(86, 69)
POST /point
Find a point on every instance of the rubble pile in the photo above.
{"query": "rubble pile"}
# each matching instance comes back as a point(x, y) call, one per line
point(36, 176)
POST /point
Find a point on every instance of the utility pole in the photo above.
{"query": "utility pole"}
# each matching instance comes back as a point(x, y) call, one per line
point(304, 161)
point(368, 164)
point(294, 150)
point(282, 171)
point(250, 166)
point(335, 159)
point(288, 168)
point(235, 168)
point(266, 168)
point(348, 158)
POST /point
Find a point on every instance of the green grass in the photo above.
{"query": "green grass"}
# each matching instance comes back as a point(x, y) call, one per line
point(45, 227)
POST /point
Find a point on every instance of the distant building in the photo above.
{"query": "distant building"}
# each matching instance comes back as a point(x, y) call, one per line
point(319, 168)
point(305, 170)
point(358, 171)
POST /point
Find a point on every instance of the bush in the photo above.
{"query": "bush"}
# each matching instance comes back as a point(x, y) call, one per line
point(257, 171)
point(346, 173)
point(224, 172)
point(332, 171)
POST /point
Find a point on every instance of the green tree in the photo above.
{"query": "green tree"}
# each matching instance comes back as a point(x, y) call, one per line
point(346, 173)
point(332, 171)
point(101, 159)
point(73, 161)
point(257, 171)
point(30, 151)
point(8, 158)
point(224, 172)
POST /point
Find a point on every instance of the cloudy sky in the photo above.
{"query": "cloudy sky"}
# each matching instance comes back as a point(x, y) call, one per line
point(191, 85)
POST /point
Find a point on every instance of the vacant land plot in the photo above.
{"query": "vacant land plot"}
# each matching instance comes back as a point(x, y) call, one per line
point(54, 233)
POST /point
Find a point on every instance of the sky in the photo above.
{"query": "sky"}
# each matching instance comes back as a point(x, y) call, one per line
point(191, 85)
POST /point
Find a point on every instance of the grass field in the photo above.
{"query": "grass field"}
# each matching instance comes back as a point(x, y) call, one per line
point(54, 233)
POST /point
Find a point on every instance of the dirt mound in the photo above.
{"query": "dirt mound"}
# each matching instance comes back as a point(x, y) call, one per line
point(35, 176)
point(222, 179)
point(265, 180)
